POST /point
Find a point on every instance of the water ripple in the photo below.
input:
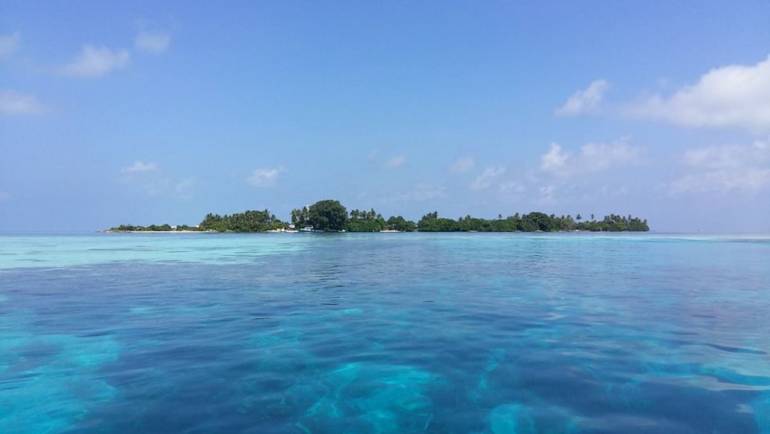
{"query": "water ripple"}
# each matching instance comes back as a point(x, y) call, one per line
point(466, 333)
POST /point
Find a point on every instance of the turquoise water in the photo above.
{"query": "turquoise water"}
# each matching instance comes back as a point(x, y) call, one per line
point(384, 333)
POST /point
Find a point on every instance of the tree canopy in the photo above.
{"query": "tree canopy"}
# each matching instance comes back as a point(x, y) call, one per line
point(327, 215)
point(331, 216)
point(532, 222)
point(398, 223)
point(365, 221)
point(300, 217)
point(248, 221)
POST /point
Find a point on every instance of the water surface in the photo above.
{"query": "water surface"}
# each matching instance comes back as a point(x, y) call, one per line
point(384, 333)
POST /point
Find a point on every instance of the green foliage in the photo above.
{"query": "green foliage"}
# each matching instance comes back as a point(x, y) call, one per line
point(398, 223)
point(371, 221)
point(327, 215)
point(330, 215)
point(300, 217)
point(615, 223)
point(248, 221)
point(365, 221)
point(152, 228)
point(431, 222)
point(532, 222)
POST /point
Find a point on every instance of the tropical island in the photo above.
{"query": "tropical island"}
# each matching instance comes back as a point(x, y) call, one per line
point(332, 216)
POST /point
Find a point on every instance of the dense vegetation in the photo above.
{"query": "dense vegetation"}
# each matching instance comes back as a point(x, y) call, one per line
point(371, 221)
point(532, 222)
point(365, 221)
point(153, 228)
point(398, 223)
point(249, 221)
point(300, 217)
point(327, 215)
point(331, 216)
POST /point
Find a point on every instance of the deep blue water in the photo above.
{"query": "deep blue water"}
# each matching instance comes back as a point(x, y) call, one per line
point(384, 333)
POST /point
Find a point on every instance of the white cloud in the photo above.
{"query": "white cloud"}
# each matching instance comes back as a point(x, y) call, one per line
point(148, 178)
point(395, 162)
point(14, 103)
point(462, 165)
point(264, 177)
point(140, 167)
point(152, 42)
point(554, 160)
point(592, 157)
point(729, 168)
point(422, 193)
point(96, 61)
point(730, 96)
point(9, 44)
point(596, 157)
point(584, 101)
point(486, 178)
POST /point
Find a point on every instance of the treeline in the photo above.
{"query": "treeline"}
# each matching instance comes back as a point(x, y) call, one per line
point(153, 228)
point(332, 216)
point(249, 221)
point(532, 222)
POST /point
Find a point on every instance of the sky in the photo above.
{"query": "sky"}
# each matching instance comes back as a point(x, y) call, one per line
point(160, 112)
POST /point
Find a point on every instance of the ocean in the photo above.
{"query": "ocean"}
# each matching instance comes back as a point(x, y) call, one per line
point(384, 333)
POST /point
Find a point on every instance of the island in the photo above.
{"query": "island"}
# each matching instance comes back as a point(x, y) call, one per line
point(332, 216)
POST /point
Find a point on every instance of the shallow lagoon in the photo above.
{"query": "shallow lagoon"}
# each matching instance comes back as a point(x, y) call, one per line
point(381, 333)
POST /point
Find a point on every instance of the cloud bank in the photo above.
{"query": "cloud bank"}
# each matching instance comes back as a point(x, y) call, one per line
point(735, 96)
point(140, 167)
point(487, 178)
point(93, 62)
point(14, 103)
point(592, 157)
point(264, 177)
point(585, 101)
point(725, 169)
point(395, 162)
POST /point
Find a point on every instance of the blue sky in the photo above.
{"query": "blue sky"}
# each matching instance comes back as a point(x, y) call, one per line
point(146, 112)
